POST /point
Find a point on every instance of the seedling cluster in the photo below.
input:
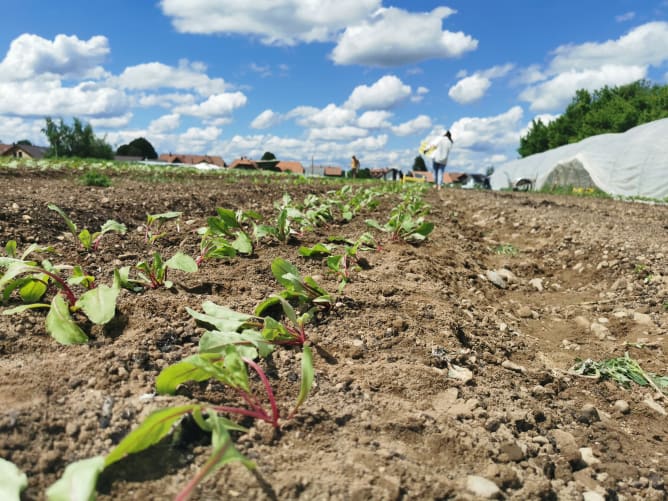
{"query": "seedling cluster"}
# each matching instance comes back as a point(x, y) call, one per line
point(233, 350)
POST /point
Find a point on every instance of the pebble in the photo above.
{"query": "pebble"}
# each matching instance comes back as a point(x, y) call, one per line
point(496, 279)
point(480, 486)
point(592, 496)
point(642, 319)
point(525, 312)
point(622, 406)
point(588, 414)
point(582, 322)
point(655, 406)
point(536, 283)
point(507, 364)
point(588, 456)
point(600, 331)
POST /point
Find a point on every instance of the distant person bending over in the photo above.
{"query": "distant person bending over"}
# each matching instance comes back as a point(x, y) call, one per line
point(440, 157)
point(354, 166)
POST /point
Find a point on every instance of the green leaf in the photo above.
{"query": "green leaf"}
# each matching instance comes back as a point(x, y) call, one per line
point(12, 481)
point(112, 225)
point(32, 289)
point(70, 224)
point(99, 304)
point(86, 239)
point(243, 243)
point(284, 272)
point(307, 377)
point(60, 325)
point(315, 251)
point(78, 482)
point(247, 343)
point(25, 307)
point(182, 262)
point(154, 428)
point(10, 248)
point(266, 304)
point(173, 376)
point(221, 317)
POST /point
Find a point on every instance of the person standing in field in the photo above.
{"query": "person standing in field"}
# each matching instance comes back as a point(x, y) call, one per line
point(354, 166)
point(441, 151)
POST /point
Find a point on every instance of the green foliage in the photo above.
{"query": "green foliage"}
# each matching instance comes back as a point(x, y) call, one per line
point(624, 370)
point(89, 241)
point(139, 147)
point(407, 219)
point(78, 482)
point(304, 290)
point(154, 222)
point(419, 165)
point(506, 250)
point(94, 178)
point(153, 274)
point(77, 140)
point(610, 109)
point(12, 481)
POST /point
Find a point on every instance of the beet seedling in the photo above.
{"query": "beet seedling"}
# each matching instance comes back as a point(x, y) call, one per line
point(230, 368)
point(89, 241)
point(154, 223)
point(305, 291)
point(98, 303)
point(153, 274)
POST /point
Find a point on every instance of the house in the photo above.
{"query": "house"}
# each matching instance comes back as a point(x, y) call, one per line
point(330, 171)
point(192, 159)
point(4, 147)
point(24, 151)
point(244, 163)
point(293, 167)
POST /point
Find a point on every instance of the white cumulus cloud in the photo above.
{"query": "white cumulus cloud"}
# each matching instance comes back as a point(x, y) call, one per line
point(274, 22)
point(30, 56)
point(265, 120)
point(188, 75)
point(415, 126)
point(385, 93)
point(216, 106)
point(374, 119)
point(394, 37)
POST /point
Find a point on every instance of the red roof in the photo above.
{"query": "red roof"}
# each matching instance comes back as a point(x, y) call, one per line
point(333, 171)
point(295, 167)
point(243, 163)
point(174, 158)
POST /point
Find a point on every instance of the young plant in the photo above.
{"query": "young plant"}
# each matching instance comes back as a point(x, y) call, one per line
point(154, 222)
point(406, 222)
point(230, 368)
point(89, 241)
point(161, 423)
point(153, 274)
point(32, 282)
point(228, 224)
point(305, 291)
point(624, 370)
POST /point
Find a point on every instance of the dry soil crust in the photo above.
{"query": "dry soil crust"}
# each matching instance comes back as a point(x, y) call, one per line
point(385, 419)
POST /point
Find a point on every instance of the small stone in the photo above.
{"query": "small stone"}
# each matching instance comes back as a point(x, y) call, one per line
point(642, 319)
point(582, 322)
point(507, 364)
point(507, 275)
point(524, 312)
point(622, 406)
point(71, 428)
point(536, 283)
point(588, 456)
point(588, 414)
point(480, 486)
point(496, 279)
point(655, 406)
point(600, 331)
point(592, 496)
point(512, 452)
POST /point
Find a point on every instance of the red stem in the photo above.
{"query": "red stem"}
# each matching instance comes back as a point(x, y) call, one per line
point(71, 298)
point(267, 387)
point(187, 491)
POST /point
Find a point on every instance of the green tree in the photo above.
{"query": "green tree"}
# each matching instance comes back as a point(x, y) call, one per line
point(139, 147)
point(419, 165)
point(609, 109)
point(77, 140)
point(24, 142)
point(268, 161)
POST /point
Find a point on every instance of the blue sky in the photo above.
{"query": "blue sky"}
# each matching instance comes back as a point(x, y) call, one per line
point(318, 80)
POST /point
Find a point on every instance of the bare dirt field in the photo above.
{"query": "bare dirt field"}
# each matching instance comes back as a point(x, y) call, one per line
point(442, 371)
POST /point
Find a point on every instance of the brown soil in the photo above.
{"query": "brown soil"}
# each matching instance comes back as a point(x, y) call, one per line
point(385, 419)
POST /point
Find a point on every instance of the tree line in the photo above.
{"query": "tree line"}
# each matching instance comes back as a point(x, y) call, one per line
point(610, 109)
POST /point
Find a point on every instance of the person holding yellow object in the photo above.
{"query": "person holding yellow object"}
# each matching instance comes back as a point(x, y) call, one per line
point(439, 153)
point(354, 166)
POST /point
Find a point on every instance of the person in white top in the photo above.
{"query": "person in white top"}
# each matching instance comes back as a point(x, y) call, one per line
point(440, 156)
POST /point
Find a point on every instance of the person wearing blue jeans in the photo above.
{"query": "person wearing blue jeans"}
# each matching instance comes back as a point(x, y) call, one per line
point(440, 157)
